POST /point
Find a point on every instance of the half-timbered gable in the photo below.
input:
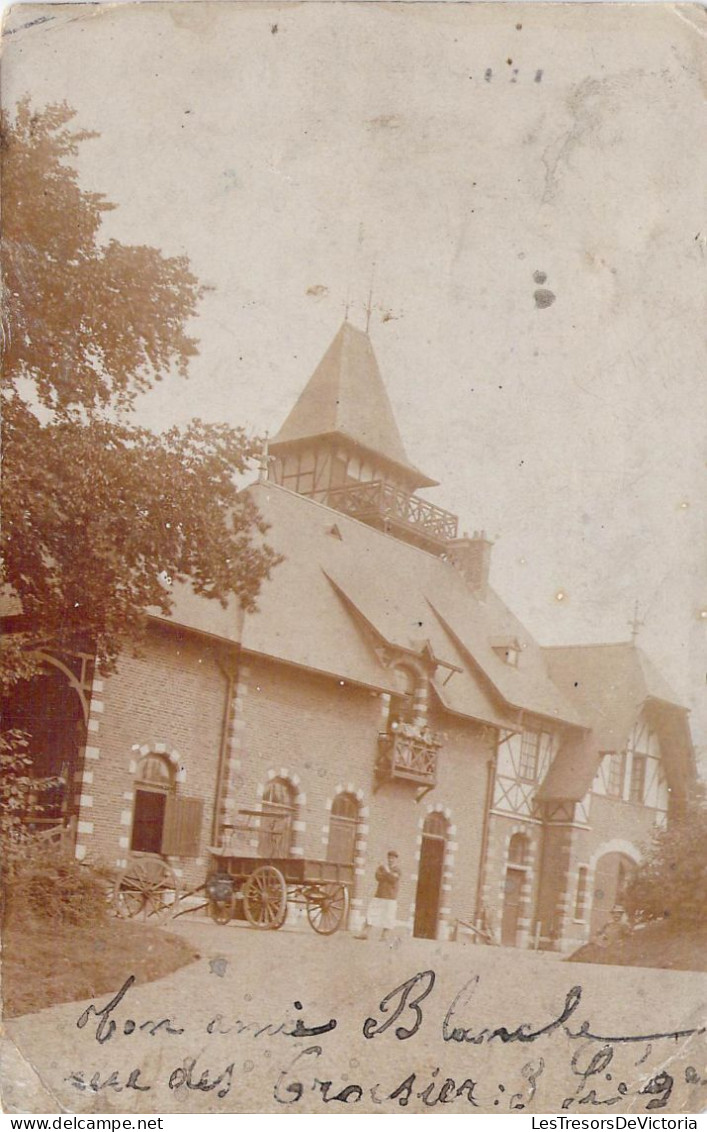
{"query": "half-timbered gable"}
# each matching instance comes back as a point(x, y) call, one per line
point(524, 758)
point(636, 773)
point(639, 749)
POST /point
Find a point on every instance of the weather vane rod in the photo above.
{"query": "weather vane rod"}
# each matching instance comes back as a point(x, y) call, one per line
point(369, 305)
point(635, 622)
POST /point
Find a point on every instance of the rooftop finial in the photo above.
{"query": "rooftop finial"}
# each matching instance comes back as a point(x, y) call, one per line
point(635, 622)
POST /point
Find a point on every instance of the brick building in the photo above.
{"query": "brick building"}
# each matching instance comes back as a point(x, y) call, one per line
point(382, 694)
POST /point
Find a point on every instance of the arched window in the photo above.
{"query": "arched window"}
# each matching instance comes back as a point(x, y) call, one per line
point(343, 823)
point(278, 811)
point(518, 849)
point(154, 782)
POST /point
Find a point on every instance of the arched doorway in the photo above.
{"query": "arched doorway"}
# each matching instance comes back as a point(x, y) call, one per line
point(429, 877)
point(518, 851)
point(51, 711)
point(611, 875)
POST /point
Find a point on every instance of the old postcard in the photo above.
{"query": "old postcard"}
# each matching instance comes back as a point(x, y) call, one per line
point(354, 558)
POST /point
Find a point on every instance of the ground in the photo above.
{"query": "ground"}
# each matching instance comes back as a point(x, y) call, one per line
point(47, 964)
point(263, 1021)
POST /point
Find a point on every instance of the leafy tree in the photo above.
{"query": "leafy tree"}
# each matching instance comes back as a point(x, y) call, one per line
point(101, 516)
point(671, 881)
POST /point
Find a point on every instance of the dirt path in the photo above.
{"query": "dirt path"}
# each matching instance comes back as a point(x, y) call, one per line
point(231, 1041)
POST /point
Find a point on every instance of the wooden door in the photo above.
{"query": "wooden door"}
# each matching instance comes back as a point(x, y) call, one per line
point(511, 906)
point(429, 886)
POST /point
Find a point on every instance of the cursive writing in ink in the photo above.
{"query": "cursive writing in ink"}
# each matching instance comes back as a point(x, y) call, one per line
point(426, 980)
point(107, 1026)
point(448, 1093)
point(585, 1032)
point(112, 1081)
point(184, 1077)
point(302, 1031)
point(522, 1033)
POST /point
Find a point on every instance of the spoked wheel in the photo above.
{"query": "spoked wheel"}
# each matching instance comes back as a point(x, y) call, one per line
point(265, 898)
point(148, 888)
point(327, 907)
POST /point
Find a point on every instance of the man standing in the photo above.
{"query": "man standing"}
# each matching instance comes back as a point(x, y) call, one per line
point(383, 909)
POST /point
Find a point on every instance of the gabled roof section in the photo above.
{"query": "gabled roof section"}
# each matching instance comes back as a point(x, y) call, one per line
point(345, 396)
point(331, 597)
point(613, 685)
point(610, 683)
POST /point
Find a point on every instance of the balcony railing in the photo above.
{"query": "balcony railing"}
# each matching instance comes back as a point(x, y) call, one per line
point(380, 503)
point(409, 753)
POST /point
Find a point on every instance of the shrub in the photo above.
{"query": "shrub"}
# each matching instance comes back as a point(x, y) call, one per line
point(39, 881)
point(671, 882)
point(15, 781)
point(48, 886)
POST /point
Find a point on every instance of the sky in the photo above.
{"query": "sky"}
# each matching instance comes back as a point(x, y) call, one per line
point(523, 188)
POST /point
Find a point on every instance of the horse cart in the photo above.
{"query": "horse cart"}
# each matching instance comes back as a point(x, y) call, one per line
point(256, 879)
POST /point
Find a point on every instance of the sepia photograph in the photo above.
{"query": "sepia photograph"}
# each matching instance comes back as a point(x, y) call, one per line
point(354, 558)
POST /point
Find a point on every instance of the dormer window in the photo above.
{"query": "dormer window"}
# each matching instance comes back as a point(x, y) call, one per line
point(507, 650)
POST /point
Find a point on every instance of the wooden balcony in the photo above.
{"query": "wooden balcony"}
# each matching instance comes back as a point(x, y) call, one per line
point(408, 753)
point(381, 505)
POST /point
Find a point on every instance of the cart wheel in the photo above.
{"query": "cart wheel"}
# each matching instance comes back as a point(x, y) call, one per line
point(147, 888)
point(327, 907)
point(265, 898)
point(220, 911)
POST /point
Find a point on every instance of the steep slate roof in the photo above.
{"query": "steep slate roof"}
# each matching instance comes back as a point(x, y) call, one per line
point(203, 615)
point(612, 685)
point(345, 396)
point(336, 597)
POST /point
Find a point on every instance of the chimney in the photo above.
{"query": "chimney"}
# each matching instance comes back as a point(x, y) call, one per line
point(472, 558)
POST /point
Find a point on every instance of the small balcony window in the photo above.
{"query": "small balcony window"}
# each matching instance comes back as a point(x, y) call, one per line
point(409, 752)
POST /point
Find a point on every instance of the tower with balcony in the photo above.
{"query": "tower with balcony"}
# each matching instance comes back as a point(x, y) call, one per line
point(341, 446)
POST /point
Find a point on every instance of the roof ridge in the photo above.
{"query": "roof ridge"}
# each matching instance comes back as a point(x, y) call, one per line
point(598, 645)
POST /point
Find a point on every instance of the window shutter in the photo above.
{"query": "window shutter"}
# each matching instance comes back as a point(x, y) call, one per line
point(182, 826)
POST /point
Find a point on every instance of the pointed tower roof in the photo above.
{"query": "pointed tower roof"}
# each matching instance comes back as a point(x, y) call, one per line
point(345, 396)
